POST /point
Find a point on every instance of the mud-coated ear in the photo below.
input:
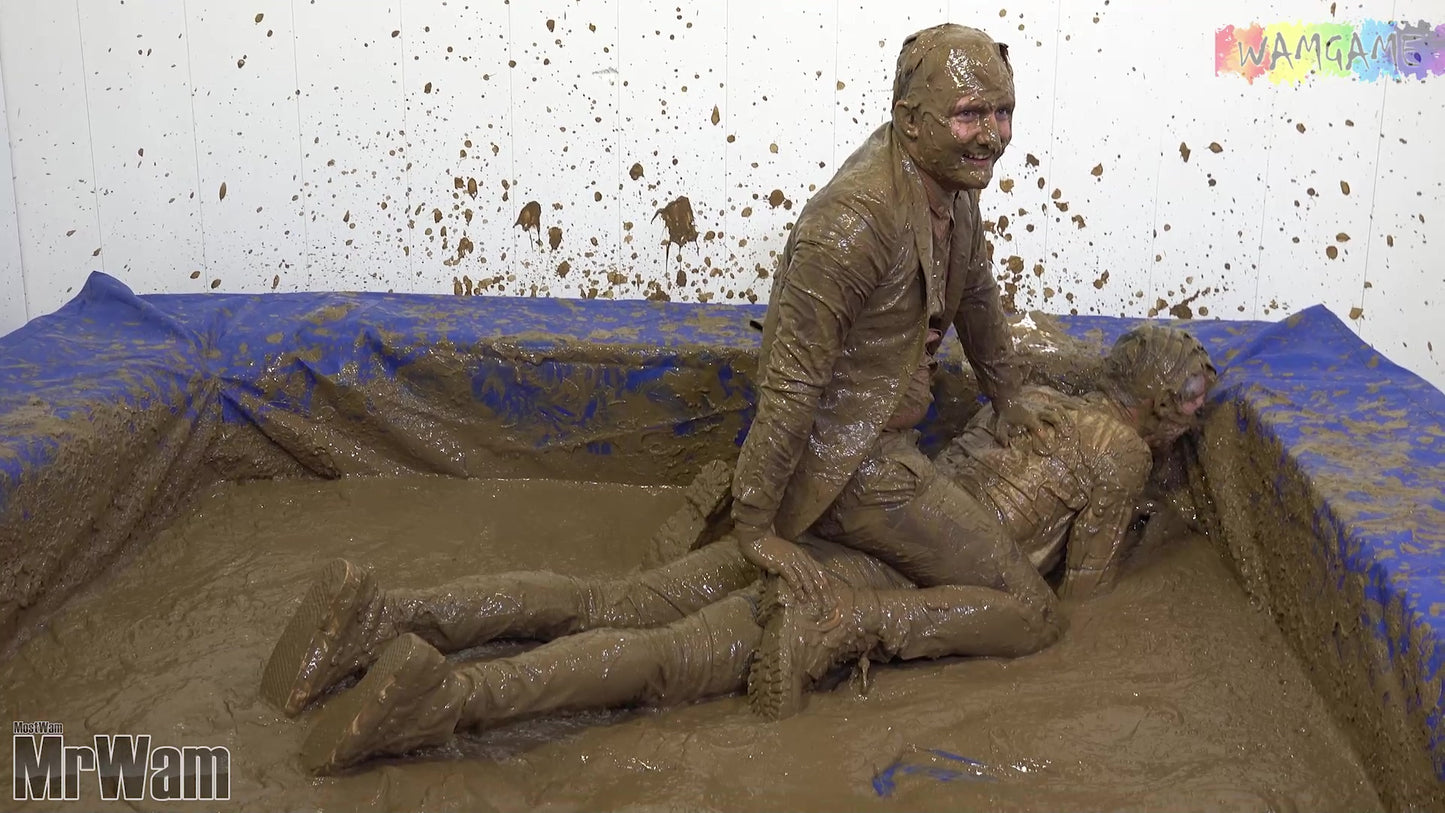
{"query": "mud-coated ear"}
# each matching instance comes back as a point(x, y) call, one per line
point(1003, 53)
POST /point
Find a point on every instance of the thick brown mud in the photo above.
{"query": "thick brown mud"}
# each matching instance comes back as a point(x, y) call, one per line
point(1169, 693)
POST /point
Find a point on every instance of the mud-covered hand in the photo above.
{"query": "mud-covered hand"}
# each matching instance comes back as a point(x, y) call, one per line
point(801, 572)
point(1012, 418)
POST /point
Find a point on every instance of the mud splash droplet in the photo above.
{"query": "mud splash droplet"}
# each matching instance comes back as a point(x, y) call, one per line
point(530, 218)
point(1184, 151)
point(681, 228)
point(716, 115)
point(635, 172)
point(554, 237)
point(1215, 147)
point(776, 198)
point(223, 190)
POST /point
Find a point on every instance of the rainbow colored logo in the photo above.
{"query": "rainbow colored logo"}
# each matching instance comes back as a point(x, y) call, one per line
point(1368, 50)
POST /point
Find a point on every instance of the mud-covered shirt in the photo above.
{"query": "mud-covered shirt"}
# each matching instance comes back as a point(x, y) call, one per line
point(1081, 496)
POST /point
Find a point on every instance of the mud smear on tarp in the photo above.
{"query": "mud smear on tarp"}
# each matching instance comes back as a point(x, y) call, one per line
point(1269, 525)
point(1172, 692)
point(530, 406)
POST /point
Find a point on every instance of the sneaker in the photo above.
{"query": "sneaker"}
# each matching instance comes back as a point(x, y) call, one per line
point(410, 699)
point(334, 633)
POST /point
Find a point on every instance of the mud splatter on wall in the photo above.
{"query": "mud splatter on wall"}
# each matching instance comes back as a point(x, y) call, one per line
point(387, 147)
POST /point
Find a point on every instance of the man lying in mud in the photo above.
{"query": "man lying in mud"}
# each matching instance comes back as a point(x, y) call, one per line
point(693, 628)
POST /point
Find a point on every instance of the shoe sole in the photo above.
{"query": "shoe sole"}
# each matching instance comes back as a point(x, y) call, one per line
point(698, 521)
point(776, 680)
point(298, 664)
point(407, 667)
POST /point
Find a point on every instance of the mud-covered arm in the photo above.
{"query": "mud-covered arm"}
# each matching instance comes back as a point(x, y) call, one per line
point(982, 329)
point(1096, 544)
point(835, 265)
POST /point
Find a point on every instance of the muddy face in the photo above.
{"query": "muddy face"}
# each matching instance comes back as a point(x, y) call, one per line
point(1172, 420)
point(956, 119)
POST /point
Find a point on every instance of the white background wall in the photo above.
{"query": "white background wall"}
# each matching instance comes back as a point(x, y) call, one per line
point(197, 145)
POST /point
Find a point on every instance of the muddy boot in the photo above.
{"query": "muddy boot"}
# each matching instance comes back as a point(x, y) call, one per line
point(337, 630)
point(703, 516)
point(410, 699)
point(798, 648)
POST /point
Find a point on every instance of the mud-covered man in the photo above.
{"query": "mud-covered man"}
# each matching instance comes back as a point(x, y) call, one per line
point(882, 261)
point(694, 627)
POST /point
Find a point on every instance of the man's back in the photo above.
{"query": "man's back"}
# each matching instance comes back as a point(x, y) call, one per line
point(1037, 495)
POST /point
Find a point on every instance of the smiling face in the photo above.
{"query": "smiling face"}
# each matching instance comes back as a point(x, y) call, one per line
point(955, 114)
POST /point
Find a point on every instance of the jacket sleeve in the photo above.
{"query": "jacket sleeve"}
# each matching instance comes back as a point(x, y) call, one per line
point(836, 262)
point(1096, 545)
point(982, 329)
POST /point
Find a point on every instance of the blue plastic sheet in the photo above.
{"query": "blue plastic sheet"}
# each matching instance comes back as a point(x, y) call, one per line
point(1346, 418)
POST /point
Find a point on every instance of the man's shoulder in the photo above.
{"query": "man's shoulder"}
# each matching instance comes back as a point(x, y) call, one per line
point(1109, 441)
point(865, 186)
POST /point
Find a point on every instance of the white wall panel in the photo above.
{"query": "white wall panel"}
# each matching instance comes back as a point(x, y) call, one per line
point(50, 148)
point(1016, 208)
point(1111, 59)
point(869, 38)
point(248, 137)
point(780, 100)
point(460, 135)
point(395, 144)
point(1324, 153)
point(349, 66)
point(143, 138)
point(1316, 202)
point(1402, 306)
point(564, 101)
point(673, 63)
point(1214, 153)
point(12, 273)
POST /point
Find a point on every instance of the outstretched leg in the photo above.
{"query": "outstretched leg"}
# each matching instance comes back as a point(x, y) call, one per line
point(797, 649)
point(345, 619)
point(412, 698)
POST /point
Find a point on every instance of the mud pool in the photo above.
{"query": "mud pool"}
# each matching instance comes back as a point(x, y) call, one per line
point(1171, 692)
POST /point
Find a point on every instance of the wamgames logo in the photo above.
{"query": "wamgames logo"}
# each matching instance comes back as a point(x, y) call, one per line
point(125, 767)
point(1369, 50)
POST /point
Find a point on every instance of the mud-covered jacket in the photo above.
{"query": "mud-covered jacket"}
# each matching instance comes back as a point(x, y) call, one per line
point(845, 329)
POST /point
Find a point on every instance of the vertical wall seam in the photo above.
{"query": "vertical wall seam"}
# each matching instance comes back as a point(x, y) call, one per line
point(727, 108)
point(1053, 116)
point(300, 149)
point(90, 134)
point(407, 231)
point(617, 139)
point(1375, 188)
point(1264, 210)
point(14, 192)
point(512, 254)
point(195, 140)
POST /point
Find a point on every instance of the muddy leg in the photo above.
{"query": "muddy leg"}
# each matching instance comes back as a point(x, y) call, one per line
point(540, 605)
point(936, 534)
point(702, 655)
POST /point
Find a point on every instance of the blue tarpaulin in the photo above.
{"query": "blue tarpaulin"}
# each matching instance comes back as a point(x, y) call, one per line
point(1363, 438)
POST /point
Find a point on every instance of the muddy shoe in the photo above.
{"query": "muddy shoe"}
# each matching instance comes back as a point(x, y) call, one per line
point(798, 648)
point(410, 699)
point(336, 631)
point(702, 517)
